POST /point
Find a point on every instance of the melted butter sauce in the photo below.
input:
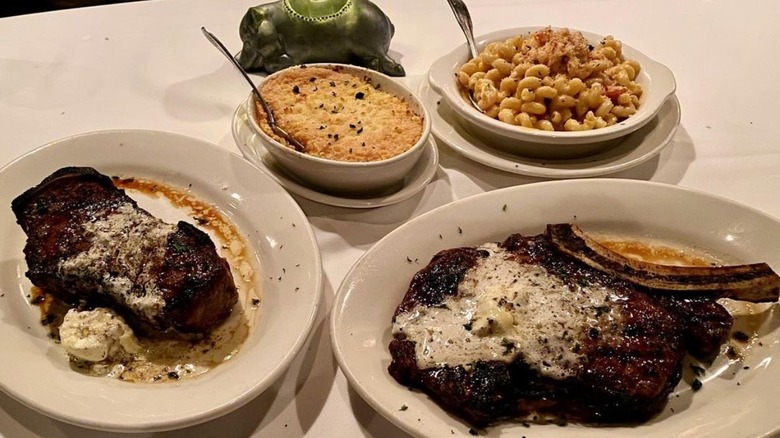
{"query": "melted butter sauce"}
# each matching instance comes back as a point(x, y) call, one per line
point(177, 359)
point(655, 252)
point(504, 309)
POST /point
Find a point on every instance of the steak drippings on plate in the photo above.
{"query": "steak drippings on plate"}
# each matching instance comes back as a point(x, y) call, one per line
point(521, 330)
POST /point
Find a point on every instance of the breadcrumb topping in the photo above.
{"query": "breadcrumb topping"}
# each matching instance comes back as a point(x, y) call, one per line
point(338, 116)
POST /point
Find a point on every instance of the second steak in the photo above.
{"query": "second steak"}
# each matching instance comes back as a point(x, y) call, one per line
point(89, 243)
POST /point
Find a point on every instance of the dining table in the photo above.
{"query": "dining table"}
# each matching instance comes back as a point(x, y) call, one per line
point(145, 65)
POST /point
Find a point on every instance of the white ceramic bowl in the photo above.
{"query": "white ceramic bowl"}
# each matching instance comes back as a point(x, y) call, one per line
point(656, 79)
point(342, 177)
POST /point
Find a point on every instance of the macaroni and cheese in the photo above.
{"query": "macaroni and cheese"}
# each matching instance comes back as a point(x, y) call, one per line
point(554, 80)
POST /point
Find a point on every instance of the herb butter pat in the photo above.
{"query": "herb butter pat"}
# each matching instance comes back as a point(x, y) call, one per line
point(97, 335)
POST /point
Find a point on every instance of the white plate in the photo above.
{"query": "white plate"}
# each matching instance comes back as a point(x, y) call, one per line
point(35, 371)
point(633, 150)
point(246, 139)
point(732, 402)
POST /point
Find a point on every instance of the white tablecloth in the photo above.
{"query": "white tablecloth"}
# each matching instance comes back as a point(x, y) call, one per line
point(146, 65)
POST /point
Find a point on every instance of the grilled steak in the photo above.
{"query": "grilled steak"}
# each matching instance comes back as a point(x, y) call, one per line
point(521, 328)
point(88, 243)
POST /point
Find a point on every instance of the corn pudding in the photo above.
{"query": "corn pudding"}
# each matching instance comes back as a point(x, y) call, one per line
point(339, 116)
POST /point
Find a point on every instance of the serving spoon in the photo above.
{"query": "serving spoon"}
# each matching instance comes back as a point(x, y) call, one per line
point(463, 17)
point(268, 112)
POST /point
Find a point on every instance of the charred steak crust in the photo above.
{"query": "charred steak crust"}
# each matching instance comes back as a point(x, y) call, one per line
point(195, 284)
point(626, 380)
point(440, 278)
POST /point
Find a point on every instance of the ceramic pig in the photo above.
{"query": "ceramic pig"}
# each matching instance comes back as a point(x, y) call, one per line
point(289, 32)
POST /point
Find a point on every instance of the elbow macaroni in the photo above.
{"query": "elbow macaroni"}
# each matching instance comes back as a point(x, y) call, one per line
point(554, 80)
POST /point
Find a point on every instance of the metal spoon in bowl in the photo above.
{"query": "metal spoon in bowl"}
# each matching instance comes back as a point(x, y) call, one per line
point(268, 112)
point(463, 17)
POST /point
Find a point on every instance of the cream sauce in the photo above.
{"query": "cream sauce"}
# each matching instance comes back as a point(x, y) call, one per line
point(129, 241)
point(504, 309)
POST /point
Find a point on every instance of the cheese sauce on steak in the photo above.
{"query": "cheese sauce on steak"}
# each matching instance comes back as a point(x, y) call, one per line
point(128, 241)
point(505, 309)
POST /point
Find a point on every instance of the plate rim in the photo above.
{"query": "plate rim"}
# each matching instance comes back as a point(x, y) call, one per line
point(341, 296)
point(247, 392)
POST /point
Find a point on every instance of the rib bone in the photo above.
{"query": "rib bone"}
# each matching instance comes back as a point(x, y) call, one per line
point(756, 282)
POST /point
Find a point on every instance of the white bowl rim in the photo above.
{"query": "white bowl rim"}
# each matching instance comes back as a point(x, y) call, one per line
point(441, 77)
point(421, 142)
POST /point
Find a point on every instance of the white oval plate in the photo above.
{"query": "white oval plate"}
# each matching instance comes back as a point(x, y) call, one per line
point(633, 150)
point(35, 371)
point(732, 402)
point(250, 145)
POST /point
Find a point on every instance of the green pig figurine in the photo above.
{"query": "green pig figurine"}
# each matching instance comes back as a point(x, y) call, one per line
point(289, 32)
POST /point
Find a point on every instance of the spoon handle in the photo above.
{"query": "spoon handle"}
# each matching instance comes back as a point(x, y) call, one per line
point(463, 17)
point(221, 47)
point(268, 112)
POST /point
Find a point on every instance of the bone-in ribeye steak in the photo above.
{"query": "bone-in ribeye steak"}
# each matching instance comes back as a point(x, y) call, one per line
point(506, 330)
